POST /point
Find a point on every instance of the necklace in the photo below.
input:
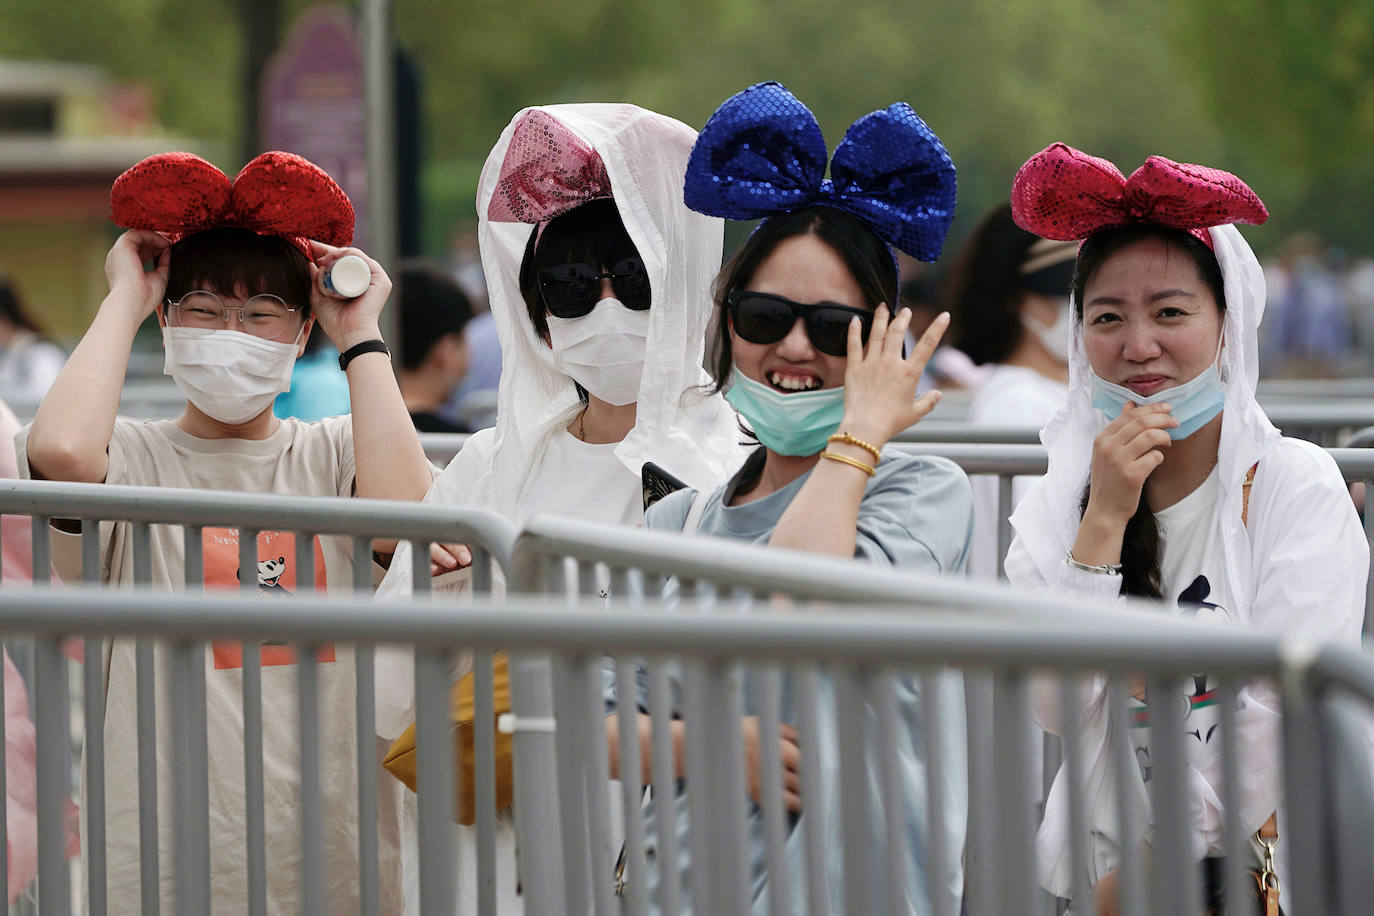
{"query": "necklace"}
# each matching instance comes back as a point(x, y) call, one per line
point(582, 425)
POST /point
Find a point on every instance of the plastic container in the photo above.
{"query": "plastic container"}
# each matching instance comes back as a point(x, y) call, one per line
point(347, 278)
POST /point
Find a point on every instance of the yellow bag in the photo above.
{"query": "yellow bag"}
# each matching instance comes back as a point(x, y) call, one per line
point(400, 759)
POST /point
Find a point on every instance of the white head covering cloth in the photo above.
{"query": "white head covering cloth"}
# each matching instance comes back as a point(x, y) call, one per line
point(1047, 519)
point(692, 435)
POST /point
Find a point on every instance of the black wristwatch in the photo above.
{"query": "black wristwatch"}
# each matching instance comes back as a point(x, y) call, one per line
point(358, 349)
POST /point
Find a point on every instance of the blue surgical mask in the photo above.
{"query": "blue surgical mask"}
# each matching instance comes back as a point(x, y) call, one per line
point(796, 423)
point(1194, 403)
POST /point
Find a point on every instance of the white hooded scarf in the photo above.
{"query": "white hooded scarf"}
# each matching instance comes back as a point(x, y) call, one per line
point(1297, 568)
point(678, 425)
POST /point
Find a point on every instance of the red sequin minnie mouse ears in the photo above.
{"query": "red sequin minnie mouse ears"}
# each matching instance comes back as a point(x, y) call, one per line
point(278, 193)
point(1066, 195)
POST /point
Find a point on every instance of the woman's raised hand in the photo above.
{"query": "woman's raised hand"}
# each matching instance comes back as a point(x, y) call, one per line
point(138, 289)
point(347, 321)
point(880, 384)
point(789, 754)
point(1125, 453)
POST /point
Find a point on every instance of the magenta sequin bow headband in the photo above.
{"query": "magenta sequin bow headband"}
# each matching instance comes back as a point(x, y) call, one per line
point(1066, 195)
point(548, 170)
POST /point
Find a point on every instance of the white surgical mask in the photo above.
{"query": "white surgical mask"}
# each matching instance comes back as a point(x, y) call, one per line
point(1054, 337)
point(603, 351)
point(229, 375)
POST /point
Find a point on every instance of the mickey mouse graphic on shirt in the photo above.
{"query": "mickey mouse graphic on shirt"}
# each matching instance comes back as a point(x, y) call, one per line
point(270, 572)
point(277, 577)
point(1200, 718)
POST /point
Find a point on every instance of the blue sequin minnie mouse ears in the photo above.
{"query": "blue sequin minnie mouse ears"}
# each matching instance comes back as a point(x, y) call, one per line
point(762, 153)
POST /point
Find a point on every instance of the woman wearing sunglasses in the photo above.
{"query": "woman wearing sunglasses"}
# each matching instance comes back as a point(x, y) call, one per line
point(812, 358)
point(599, 279)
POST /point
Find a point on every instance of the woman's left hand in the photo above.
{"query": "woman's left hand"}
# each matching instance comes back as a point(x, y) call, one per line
point(880, 384)
point(347, 321)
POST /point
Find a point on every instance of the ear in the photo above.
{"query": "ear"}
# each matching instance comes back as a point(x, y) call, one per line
point(305, 336)
point(161, 311)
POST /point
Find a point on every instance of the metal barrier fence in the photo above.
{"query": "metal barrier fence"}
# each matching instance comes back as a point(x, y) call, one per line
point(1329, 424)
point(488, 536)
point(867, 652)
point(1325, 422)
point(714, 573)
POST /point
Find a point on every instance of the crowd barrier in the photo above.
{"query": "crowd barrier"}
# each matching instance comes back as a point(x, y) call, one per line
point(488, 536)
point(896, 631)
point(1007, 458)
point(866, 652)
point(1028, 631)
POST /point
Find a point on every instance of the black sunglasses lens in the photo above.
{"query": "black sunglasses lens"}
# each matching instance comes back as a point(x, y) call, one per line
point(631, 282)
point(762, 320)
point(829, 330)
point(569, 290)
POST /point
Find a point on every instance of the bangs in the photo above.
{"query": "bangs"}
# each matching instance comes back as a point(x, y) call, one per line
point(592, 234)
point(234, 261)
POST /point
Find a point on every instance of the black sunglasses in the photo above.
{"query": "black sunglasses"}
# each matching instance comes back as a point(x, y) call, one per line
point(763, 318)
point(572, 290)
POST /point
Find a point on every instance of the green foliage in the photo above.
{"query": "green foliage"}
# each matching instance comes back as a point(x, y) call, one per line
point(1282, 94)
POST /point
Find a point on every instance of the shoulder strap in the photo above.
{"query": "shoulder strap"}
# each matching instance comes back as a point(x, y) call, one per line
point(699, 501)
point(1245, 494)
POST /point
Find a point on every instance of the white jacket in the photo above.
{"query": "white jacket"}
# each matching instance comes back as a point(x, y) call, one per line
point(1298, 568)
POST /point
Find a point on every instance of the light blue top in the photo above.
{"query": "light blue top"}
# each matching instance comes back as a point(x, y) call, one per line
point(917, 514)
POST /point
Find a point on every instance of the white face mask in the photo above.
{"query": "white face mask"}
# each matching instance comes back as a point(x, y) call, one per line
point(603, 351)
point(1053, 337)
point(229, 375)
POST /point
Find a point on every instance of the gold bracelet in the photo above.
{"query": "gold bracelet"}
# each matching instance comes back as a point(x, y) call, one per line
point(849, 439)
point(852, 462)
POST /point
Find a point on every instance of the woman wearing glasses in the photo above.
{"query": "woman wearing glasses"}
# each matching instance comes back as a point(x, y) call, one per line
point(236, 286)
point(812, 358)
point(599, 282)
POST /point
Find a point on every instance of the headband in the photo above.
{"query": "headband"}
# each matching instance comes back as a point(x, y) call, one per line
point(1066, 195)
point(548, 171)
point(762, 153)
point(282, 194)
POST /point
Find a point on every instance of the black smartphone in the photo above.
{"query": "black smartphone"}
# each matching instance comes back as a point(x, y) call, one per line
point(658, 483)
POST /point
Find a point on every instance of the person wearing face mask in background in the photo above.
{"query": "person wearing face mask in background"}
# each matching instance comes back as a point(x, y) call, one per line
point(236, 286)
point(1009, 297)
point(599, 281)
point(1167, 481)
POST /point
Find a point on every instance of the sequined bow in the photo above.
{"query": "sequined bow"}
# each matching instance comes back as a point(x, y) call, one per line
point(1064, 194)
point(548, 170)
point(763, 153)
point(277, 193)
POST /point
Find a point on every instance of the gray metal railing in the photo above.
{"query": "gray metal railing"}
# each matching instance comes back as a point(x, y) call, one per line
point(488, 536)
point(1324, 422)
point(1327, 692)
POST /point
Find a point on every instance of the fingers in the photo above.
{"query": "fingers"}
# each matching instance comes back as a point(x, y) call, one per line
point(878, 332)
point(929, 341)
point(855, 344)
point(895, 338)
point(924, 405)
point(448, 557)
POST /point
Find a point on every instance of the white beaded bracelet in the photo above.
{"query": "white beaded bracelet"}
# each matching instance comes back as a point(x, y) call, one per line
point(1104, 570)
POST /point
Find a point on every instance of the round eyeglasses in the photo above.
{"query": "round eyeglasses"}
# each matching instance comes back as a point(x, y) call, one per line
point(263, 315)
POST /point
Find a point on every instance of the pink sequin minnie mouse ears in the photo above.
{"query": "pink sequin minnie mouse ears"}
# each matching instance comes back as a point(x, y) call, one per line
point(1066, 195)
point(548, 171)
point(277, 193)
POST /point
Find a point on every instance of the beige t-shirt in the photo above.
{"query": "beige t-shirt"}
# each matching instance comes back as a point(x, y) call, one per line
point(307, 459)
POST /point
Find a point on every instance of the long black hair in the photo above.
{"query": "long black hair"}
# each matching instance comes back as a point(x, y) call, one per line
point(1140, 559)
